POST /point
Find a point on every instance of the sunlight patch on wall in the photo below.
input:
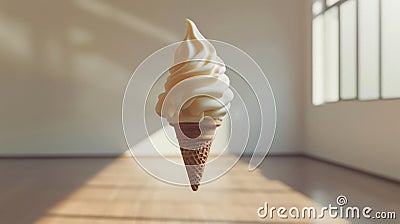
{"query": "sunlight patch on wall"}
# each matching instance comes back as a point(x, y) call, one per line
point(79, 36)
point(136, 23)
point(15, 38)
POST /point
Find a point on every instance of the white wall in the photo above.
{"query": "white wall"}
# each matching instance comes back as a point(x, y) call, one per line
point(363, 135)
point(64, 65)
point(63, 74)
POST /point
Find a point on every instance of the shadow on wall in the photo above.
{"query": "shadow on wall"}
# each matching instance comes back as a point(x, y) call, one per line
point(63, 69)
point(63, 72)
point(64, 65)
point(62, 78)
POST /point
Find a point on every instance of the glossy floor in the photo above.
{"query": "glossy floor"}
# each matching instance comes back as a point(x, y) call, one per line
point(117, 190)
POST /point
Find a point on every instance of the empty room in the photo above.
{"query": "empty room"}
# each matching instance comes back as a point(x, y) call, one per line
point(259, 111)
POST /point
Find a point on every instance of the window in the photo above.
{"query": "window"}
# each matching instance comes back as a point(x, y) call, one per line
point(356, 50)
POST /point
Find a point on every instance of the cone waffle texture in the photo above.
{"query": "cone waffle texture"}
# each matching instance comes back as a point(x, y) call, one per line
point(195, 147)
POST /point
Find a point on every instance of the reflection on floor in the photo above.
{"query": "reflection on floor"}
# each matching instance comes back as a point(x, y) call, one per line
point(108, 191)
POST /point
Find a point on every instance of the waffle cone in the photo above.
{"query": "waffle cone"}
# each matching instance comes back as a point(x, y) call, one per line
point(195, 141)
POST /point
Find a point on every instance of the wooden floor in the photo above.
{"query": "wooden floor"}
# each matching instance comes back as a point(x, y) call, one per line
point(117, 190)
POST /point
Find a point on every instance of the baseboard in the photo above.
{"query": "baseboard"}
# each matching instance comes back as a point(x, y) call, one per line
point(338, 164)
point(107, 155)
point(127, 154)
point(331, 162)
point(60, 156)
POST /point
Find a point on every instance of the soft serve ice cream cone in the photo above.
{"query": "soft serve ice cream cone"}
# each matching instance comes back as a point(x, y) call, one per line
point(196, 98)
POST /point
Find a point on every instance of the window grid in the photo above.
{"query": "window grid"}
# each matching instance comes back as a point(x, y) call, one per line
point(326, 8)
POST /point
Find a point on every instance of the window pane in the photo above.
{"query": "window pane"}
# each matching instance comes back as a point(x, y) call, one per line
point(390, 48)
point(331, 2)
point(331, 70)
point(317, 6)
point(368, 49)
point(318, 60)
point(348, 50)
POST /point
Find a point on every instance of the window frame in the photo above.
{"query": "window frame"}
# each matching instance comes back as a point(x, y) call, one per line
point(337, 4)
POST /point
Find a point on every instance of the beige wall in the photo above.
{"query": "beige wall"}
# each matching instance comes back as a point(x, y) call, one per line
point(64, 65)
point(363, 135)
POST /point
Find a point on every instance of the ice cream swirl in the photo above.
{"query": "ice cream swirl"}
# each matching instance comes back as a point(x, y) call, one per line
point(197, 85)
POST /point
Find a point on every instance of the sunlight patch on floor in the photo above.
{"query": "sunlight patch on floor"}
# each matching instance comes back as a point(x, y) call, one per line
point(123, 193)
